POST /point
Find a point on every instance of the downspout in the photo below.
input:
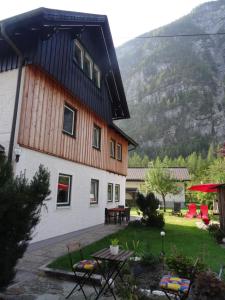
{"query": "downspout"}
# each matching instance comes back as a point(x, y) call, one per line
point(19, 76)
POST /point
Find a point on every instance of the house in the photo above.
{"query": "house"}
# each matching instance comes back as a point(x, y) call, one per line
point(136, 178)
point(61, 90)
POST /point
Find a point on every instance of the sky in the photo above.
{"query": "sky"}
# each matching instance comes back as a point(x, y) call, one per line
point(127, 18)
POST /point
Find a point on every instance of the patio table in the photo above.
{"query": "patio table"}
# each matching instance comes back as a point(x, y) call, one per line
point(119, 211)
point(117, 262)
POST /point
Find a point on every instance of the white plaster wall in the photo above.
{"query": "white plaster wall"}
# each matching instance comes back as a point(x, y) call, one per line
point(169, 198)
point(8, 82)
point(60, 220)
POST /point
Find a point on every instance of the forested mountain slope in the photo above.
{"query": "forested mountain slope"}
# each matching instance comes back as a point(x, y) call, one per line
point(175, 86)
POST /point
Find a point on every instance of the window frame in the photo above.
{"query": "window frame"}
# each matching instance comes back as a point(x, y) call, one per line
point(110, 184)
point(74, 119)
point(89, 59)
point(96, 181)
point(68, 203)
point(96, 68)
point(117, 186)
point(97, 147)
point(78, 45)
point(112, 141)
point(93, 66)
point(119, 145)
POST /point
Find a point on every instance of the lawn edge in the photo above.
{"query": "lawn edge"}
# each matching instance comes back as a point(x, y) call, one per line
point(69, 275)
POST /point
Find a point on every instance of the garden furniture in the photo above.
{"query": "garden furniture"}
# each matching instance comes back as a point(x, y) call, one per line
point(86, 266)
point(203, 212)
point(117, 212)
point(191, 211)
point(177, 209)
point(116, 263)
point(178, 286)
point(110, 215)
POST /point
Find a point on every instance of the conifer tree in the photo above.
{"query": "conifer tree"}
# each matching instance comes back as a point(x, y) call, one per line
point(20, 206)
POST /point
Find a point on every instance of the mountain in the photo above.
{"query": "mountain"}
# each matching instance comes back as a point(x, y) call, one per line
point(175, 86)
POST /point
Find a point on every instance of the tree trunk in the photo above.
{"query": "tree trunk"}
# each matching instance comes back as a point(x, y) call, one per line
point(164, 203)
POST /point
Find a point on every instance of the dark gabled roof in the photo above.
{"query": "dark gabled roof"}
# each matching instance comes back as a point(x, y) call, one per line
point(48, 21)
point(138, 174)
point(129, 139)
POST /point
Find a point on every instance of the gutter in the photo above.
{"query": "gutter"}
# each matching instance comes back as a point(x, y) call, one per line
point(20, 65)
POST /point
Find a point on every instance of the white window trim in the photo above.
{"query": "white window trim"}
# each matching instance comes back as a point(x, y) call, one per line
point(73, 111)
point(110, 201)
point(95, 202)
point(119, 146)
point(87, 56)
point(78, 45)
point(112, 142)
point(117, 200)
point(96, 127)
point(96, 68)
point(65, 204)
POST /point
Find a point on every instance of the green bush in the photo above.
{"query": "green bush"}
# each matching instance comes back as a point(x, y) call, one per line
point(149, 259)
point(182, 265)
point(148, 205)
point(135, 224)
point(20, 207)
point(207, 287)
point(136, 246)
point(216, 232)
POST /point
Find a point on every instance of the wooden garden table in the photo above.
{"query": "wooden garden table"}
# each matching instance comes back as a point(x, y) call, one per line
point(117, 262)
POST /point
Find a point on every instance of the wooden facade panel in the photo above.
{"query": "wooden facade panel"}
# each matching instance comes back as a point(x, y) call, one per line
point(41, 125)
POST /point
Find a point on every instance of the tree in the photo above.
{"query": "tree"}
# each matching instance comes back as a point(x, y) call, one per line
point(148, 205)
point(135, 160)
point(158, 180)
point(20, 207)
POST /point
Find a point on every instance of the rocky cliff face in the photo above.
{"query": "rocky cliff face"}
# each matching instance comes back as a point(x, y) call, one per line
point(175, 86)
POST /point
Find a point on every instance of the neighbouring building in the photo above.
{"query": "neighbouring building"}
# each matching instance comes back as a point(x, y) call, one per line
point(136, 178)
point(61, 90)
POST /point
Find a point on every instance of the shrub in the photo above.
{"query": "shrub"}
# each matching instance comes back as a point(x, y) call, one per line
point(136, 247)
point(216, 232)
point(136, 223)
point(148, 205)
point(182, 265)
point(20, 207)
point(149, 259)
point(207, 287)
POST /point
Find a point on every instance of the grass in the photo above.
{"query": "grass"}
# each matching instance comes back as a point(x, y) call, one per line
point(180, 233)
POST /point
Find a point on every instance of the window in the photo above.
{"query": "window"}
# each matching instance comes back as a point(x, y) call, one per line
point(119, 151)
point(117, 193)
point(94, 191)
point(88, 65)
point(69, 120)
point(79, 54)
point(110, 192)
point(112, 148)
point(85, 62)
point(96, 76)
point(96, 143)
point(64, 190)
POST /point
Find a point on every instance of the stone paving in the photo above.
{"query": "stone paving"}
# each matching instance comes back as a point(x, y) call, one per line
point(32, 284)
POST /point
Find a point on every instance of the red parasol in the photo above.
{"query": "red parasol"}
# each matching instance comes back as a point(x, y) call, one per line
point(206, 188)
point(63, 187)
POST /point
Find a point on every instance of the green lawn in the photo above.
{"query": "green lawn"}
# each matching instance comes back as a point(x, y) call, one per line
point(180, 232)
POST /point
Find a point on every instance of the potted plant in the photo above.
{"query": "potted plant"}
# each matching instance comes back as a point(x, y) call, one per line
point(114, 247)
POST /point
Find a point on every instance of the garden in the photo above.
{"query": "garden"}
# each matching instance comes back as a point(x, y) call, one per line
point(174, 252)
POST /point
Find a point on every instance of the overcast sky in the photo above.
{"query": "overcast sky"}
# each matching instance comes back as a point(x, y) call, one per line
point(127, 18)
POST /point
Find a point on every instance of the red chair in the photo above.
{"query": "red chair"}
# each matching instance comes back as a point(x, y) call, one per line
point(203, 212)
point(191, 211)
